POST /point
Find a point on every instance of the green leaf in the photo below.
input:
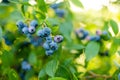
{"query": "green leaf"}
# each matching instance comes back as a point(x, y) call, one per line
point(20, 2)
point(7, 58)
point(114, 46)
point(74, 77)
point(42, 5)
point(24, 9)
point(39, 14)
point(115, 75)
point(114, 26)
point(64, 72)
point(0, 34)
point(57, 78)
point(51, 67)
point(91, 50)
point(77, 3)
point(12, 75)
point(42, 73)
point(29, 73)
point(75, 47)
point(66, 29)
point(32, 59)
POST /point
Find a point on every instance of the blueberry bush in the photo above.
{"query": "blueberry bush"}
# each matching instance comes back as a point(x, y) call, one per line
point(48, 40)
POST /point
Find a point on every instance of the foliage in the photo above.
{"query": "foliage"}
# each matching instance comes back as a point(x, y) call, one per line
point(89, 48)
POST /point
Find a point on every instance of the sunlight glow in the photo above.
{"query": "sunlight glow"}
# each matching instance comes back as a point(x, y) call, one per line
point(0, 1)
point(95, 4)
point(32, 2)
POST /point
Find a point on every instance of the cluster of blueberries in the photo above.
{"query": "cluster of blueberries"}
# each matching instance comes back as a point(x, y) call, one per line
point(42, 38)
point(9, 38)
point(59, 12)
point(84, 35)
point(25, 67)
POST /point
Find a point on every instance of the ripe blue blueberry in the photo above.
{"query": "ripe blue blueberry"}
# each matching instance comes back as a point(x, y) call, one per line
point(104, 32)
point(25, 30)
point(105, 35)
point(85, 33)
point(49, 39)
point(92, 38)
point(47, 31)
point(46, 46)
point(81, 30)
point(36, 41)
point(25, 65)
point(97, 38)
point(31, 29)
point(81, 33)
point(9, 38)
point(58, 38)
point(54, 6)
point(29, 36)
point(7, 41)
point(53, 46)
point(20, 24)
point(60, 12)
point(40, 33)
point(49, 52)
point(34, 23)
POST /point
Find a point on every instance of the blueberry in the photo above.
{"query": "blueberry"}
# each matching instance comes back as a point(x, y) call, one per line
point(88, 38)
point(21, 25)
point(40, 33)
point(40, 41)
point(31, 30)
point(25, 65)
point(58, 38)
point(46, 46)
point(9, 38)
point(49, 52)
point(104, 32)
point(79, 34)
point(81, 30)
point(36, 41)
point(25, 30)
point(49, 39)
point(98, 32)
point(54, 6)
point(97, 38)
point(47, 31)
point(29, 36)
point(85, 33)
point(34, 23)
point(92, 38)
point(105, 35)
point(7, 41)
point(53, 46)
point(60, 12)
